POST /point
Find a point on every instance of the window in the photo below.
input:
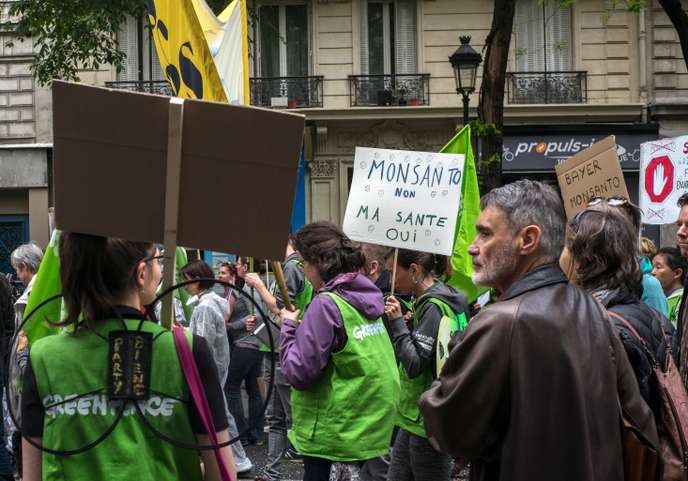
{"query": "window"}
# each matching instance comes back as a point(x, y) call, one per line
point(283, 41)
point(543, 30)
point(388, 37)
point(130, 32)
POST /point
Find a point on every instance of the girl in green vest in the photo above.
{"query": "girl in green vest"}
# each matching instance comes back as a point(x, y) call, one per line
point(338, 358)
point(65, 405)
point(415, 340)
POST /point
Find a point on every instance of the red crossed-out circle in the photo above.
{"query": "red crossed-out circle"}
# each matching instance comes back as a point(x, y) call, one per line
point(668, 174)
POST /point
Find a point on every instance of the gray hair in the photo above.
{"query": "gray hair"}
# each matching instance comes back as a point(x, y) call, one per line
point(28, 254)
point(527, 202)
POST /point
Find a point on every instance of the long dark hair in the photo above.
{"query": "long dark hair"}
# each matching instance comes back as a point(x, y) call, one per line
point(604, 248)
point(196, 270)
point(325, 245)
point(430, 263)
point(95, 271)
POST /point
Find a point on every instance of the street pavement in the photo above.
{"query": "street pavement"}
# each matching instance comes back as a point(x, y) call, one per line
point(291, 471)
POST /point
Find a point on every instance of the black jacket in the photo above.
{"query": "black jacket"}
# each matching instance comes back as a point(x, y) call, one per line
point(415, 346)
point(653, 327)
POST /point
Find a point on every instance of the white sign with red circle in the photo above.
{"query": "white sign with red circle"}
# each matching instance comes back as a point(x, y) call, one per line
point(663, 178)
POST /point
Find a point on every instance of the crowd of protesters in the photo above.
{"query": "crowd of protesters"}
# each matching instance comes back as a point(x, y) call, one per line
point(584, 337)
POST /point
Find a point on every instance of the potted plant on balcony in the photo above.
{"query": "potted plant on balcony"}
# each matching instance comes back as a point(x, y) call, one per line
point(414, 102)
point(292, 104)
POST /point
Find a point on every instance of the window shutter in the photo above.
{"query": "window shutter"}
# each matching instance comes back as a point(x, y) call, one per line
point(364, 36)
point(405, 37)
point(529, 41)
point(530, 24)
point(126, 37)
point(558, 37)
point(149, 46)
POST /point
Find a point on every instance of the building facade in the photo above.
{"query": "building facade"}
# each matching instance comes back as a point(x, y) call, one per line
point(376, 73)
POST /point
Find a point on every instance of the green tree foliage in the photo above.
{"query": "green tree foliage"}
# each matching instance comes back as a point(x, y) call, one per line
point(69, 35)
point(73, 34)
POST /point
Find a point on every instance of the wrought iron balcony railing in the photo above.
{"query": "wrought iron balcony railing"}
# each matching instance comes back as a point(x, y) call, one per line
point(161, 87)
point(287, 92)
point(389, 90)
point(569, 87)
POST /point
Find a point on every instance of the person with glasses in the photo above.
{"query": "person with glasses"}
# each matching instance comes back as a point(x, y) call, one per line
point(652, 293)
point(601, 256)
point(67, 401)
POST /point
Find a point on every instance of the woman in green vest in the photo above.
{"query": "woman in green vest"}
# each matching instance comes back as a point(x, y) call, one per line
point(338, 358)
point(436, 308)
point(65, 402)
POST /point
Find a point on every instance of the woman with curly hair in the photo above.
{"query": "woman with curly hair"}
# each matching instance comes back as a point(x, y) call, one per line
point(338, 359)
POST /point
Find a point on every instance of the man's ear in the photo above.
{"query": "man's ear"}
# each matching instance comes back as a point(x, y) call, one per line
point(529, 239)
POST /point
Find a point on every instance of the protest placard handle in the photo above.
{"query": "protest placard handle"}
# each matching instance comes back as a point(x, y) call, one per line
point(173, 176)
point(250, 269)
point(279, 277)
point(394, 270)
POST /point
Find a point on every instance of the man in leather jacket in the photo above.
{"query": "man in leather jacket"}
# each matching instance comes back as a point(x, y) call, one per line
point(532, 390)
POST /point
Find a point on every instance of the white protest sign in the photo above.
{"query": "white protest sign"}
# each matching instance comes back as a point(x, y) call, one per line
point(405, 199)
point(663, 178)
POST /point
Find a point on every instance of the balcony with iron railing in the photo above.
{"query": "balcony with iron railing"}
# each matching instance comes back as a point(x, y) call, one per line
point(565, 87)
point(287, 92)
point(161, 87)
point(389, 90)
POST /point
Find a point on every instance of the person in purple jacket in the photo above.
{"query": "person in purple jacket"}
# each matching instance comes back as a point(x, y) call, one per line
point(339, 359)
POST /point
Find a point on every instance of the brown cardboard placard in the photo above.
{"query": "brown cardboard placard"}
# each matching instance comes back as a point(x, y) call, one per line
point(110, 151)
point(593, 172)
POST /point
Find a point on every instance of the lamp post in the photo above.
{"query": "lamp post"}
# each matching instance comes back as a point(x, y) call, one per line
point(465, 63)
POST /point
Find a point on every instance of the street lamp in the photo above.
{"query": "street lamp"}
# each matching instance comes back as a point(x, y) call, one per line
point(465, 63)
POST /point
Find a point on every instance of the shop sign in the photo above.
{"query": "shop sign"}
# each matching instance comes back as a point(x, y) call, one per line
point(544, 152)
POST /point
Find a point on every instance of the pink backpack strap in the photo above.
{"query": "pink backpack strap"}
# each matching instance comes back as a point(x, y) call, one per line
point(193, 380)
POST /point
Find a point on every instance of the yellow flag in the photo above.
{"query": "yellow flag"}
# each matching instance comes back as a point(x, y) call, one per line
point(184, 53)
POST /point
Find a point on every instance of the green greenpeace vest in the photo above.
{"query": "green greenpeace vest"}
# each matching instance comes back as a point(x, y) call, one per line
point(68, 366)
point(348, 415)
point(409, 417)
point(303, 298)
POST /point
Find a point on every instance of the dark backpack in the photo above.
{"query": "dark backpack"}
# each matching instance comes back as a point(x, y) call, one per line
point(672, 424)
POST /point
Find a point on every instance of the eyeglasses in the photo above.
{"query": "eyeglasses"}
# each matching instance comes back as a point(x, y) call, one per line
point(574, 223)
point(158, 258)
point(614, 201)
